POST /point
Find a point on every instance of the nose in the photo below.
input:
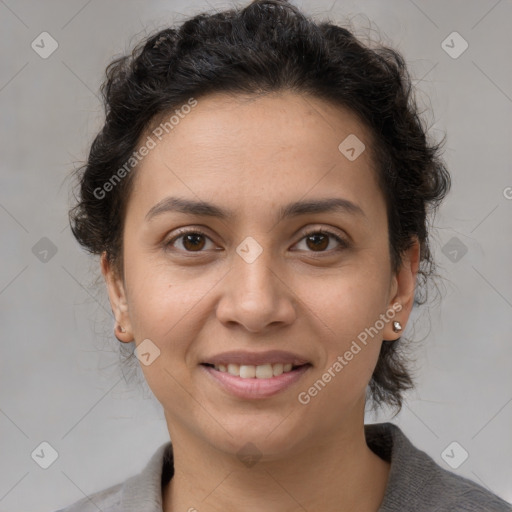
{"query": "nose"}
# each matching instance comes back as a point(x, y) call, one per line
point(255, 296)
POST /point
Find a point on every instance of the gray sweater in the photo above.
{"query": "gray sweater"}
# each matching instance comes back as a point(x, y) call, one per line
point(416, 483)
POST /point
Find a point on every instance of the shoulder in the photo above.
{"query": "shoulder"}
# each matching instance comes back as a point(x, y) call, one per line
point(417, 482)
point(454, 493)
point(138, 492)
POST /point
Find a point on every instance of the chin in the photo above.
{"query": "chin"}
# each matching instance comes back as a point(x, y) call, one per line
point(263, 435)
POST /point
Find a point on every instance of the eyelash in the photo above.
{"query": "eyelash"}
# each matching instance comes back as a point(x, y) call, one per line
point(186, 231)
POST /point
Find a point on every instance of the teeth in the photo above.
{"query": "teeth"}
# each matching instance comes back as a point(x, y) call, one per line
point(277, 369)
point(264, 371)
point(249, 371)
point(234, 369)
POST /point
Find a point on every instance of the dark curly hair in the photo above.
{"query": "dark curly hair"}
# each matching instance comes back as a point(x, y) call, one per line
point(268, 46)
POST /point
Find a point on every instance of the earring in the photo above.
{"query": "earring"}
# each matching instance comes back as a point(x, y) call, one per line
point(397, 326)
point(117, 329)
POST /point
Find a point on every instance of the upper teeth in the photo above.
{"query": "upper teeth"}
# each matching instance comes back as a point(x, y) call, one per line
point(249, 371)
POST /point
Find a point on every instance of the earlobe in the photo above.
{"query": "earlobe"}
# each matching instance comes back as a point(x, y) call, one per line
point(404, 288)
point(118, 302)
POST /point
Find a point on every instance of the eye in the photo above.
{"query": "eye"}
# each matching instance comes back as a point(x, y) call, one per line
point(319, 240)
point(192, 240)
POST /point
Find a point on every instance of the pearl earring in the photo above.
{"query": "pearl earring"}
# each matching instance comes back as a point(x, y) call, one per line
point(397, 326)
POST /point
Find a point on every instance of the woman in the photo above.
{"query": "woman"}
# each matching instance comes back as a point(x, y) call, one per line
point(259, 197)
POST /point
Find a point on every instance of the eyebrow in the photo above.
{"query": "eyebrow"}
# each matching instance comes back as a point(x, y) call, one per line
point(203, 208)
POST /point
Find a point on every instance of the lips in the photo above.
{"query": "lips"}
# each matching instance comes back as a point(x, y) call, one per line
point(254, 388)
point(253, 375)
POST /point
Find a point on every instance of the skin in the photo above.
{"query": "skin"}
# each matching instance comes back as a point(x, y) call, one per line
point(253, 156)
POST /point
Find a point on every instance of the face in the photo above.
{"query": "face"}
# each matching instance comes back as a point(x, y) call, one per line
point(284, 263)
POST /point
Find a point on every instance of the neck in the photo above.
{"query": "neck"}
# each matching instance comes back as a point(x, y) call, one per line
point(339, 473)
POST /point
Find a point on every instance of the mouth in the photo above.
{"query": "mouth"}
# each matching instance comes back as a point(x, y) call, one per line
point(250, 371)
point(254, 376)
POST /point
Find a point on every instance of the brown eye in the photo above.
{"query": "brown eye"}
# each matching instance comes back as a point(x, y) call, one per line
point(191, 241)
point(319, 241)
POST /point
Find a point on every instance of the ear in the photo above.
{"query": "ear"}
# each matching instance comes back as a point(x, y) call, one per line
point(403, 287)
point(118, 302)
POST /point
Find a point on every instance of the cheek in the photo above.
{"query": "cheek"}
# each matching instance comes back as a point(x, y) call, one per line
point(169, 308)
point(346, 313)
point(347, 307)
point(349, 301)
point(166, 304)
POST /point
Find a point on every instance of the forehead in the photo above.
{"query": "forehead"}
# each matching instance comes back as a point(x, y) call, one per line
point(281, 120)
point(245, 149)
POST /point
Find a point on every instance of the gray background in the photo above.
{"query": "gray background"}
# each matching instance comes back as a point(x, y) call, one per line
point(60, 380)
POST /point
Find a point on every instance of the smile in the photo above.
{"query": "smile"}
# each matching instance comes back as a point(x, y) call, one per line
point(251, 382)
point(250, 371)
